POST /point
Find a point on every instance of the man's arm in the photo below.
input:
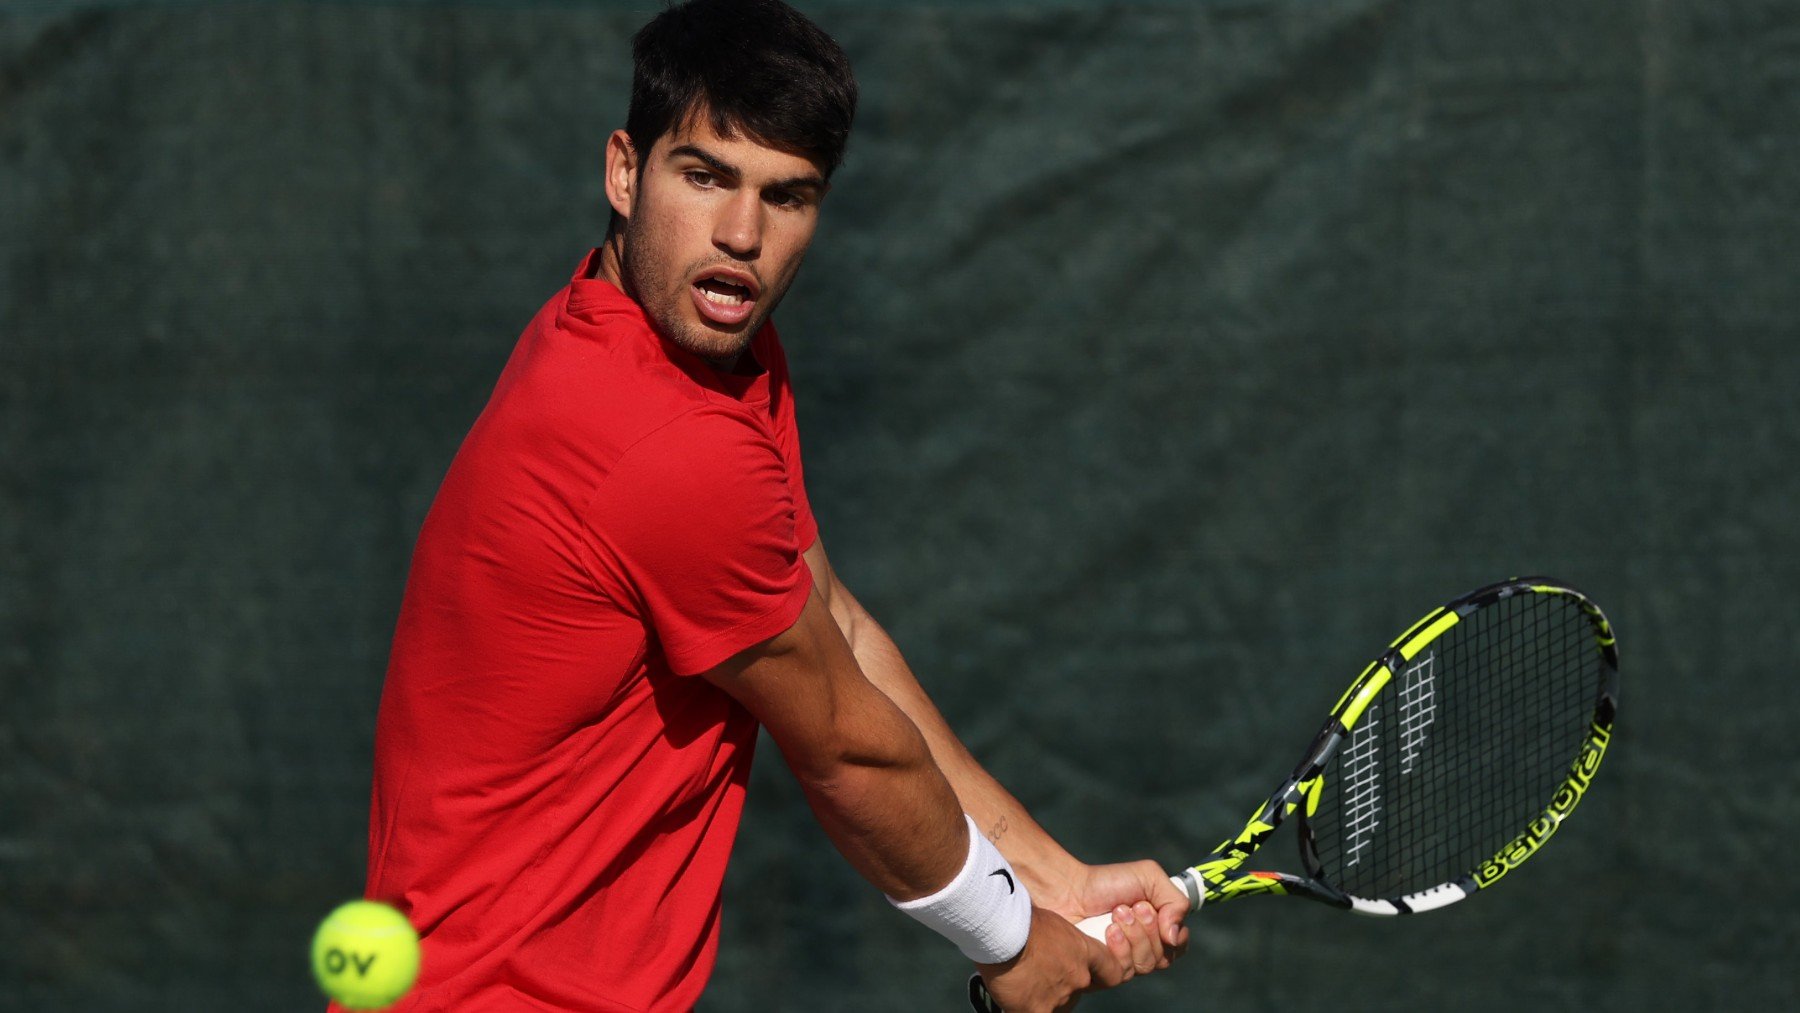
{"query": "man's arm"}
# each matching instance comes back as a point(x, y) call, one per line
point(1138, 893)
point(870, 779)
point(866, 771)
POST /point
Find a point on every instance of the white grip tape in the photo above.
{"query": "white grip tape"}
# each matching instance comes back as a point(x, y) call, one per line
point(984, 910)
point(1096, 926)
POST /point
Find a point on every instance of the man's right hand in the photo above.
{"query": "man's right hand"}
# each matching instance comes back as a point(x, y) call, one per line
point(1056, 966)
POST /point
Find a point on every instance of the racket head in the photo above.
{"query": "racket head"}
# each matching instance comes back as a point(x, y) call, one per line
point(1460, 750)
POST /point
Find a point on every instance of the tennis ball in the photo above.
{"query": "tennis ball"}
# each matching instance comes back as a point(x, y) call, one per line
point(365, 955)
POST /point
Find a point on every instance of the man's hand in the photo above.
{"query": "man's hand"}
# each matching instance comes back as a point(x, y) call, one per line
point(1147, 911)
point(1056, 966)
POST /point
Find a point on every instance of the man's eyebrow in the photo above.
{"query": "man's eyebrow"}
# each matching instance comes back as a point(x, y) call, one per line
point(716, 163)
point(812, 181)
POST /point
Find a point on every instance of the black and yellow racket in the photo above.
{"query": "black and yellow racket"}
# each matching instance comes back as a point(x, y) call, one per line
point(1448, 763)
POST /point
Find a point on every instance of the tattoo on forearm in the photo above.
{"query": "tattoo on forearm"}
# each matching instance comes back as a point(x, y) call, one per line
point(997, 831)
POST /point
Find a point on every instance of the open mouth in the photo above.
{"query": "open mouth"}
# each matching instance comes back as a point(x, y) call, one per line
point(724, 297)
point(722, 293)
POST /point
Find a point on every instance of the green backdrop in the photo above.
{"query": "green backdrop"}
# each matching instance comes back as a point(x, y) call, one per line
point(1156, 363)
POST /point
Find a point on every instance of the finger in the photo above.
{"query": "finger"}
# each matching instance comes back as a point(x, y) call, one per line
point(1119, 944)
point(1117, 939)
point(1133, 939)
point(1147, 944)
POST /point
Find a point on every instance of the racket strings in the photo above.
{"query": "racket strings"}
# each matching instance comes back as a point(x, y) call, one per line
point(1461, 750)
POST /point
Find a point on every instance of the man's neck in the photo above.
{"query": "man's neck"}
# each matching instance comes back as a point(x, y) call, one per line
point(610, 266)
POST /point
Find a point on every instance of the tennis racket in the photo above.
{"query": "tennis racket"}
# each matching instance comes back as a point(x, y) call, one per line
point(1447, 764)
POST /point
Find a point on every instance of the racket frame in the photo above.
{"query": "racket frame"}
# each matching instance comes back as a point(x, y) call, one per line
point(1221, 875)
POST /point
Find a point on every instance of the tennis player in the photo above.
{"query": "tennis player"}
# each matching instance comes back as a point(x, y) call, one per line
point(620, 579)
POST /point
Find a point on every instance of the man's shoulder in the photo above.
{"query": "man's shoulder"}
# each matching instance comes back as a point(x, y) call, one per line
point(603, 373)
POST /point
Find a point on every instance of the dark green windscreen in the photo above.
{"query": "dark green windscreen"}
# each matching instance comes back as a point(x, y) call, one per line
point(1156, 363)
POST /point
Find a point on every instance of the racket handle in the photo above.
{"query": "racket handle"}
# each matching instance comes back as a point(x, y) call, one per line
point(981, 1002)
point(1095, 927)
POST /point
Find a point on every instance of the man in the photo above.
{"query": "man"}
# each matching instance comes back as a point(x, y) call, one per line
point(621, 579)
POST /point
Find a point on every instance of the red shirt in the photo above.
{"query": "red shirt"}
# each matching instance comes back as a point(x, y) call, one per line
point(556, 792)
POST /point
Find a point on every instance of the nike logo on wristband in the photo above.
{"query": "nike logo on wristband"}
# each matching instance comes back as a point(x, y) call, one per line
point(1009, 881)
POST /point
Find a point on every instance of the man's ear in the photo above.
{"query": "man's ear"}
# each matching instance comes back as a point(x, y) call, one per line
point(621, 173)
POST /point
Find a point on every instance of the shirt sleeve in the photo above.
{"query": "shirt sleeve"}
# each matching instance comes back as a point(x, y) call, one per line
point(697, 526)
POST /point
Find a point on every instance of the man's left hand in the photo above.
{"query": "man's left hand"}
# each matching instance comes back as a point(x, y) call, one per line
point(1147, 910)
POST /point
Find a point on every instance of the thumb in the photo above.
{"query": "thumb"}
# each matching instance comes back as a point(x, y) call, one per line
point(1171, 903)
point(1106, 969)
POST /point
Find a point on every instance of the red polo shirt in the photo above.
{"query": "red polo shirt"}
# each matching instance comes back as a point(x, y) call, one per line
point(556, 793)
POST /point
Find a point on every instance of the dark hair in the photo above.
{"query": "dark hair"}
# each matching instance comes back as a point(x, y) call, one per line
point(758, 67)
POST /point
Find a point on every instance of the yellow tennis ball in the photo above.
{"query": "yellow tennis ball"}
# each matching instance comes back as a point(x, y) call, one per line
point(365, 955)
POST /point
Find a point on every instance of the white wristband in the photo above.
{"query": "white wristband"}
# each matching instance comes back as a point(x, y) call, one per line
point(985, 910)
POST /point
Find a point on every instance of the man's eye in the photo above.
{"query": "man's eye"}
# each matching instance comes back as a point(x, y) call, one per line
point(702, 178)
point(785, 199)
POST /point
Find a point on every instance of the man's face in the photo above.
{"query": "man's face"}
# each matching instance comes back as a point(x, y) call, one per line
point(715, 231)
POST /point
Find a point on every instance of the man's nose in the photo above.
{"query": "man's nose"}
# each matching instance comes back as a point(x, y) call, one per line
point(740, 226)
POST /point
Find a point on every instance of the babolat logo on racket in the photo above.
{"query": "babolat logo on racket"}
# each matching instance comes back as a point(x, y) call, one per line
point(1567, 797)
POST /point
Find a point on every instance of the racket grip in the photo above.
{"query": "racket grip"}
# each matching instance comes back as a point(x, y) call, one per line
point(1095, 927)
point(981, 1002)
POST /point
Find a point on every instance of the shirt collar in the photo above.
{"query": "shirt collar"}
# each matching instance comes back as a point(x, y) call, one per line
point(592, 299)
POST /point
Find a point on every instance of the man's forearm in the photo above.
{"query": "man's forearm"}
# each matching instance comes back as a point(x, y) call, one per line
point(864, 766)
point(1036, 855)
point(867, 799)
point(875, 789)
point(1056, 879)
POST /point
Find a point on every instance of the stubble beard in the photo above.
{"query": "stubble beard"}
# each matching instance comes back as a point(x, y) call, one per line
point(664, 296)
